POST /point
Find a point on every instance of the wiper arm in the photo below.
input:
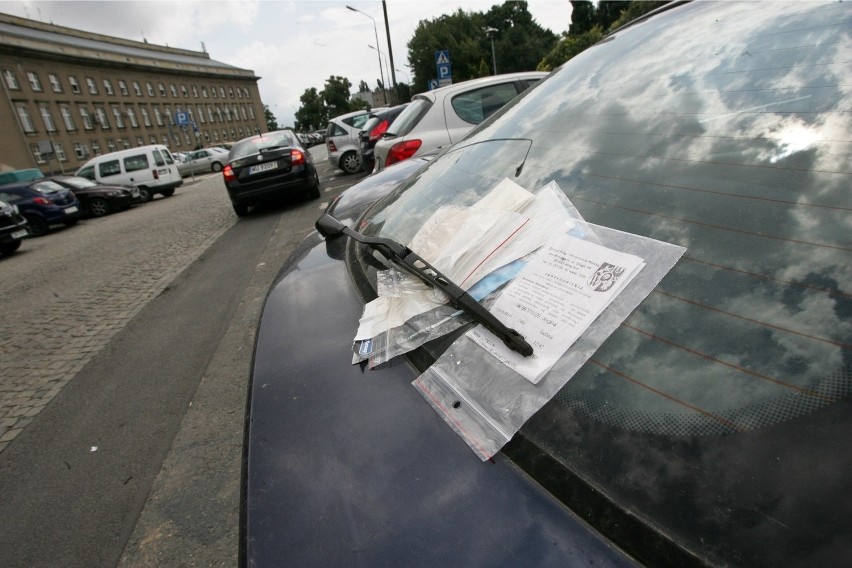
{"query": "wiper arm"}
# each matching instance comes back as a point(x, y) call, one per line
point(328, 226)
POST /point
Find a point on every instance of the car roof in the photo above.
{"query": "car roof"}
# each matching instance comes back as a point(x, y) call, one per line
point(480, 82)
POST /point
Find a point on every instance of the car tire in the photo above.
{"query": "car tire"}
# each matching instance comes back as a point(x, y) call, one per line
point(314, 190)
point(350, 163)
point(168, 192)
point(241, 209)
point(10, 247)
point(37, 225)
point(145, 194)
point(98, 207)
point(217, 167)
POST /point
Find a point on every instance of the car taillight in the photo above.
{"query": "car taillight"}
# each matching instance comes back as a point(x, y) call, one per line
point(331, 146)
point(42, 201)
point(402, 151)
point(228, 173)
point(297, 158)
point(156, 175)
point(378, 130)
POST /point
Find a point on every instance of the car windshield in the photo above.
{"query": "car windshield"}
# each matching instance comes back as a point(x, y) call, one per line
point(409, 117)
point(718, 412)
point(260, 143)
point(79, 182)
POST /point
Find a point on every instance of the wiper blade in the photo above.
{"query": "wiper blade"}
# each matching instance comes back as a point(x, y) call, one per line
point(328, 226)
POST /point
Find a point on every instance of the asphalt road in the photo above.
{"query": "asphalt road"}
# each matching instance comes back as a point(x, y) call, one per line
point(127, 347)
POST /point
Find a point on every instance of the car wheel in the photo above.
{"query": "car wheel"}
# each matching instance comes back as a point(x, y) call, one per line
point(168, 192)
point(350, 163)
point(37, 225)
point(98, 207)
point(10, 246)
point(241, 209)
point(145, 194)
point(314, 190)
point(217, 167)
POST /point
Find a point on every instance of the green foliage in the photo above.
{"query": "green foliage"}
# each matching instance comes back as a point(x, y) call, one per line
point(312, 115)
point(519, 43)
point(607, 17)
point(363, 87)
point(271, 122)
point(335, 95)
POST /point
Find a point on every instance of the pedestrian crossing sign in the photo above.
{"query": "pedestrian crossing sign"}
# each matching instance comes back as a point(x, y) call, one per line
point(442, 57)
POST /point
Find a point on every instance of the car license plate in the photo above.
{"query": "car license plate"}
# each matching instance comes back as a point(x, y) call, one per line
point(262, 168)
point(72, 209)
point(20, 234)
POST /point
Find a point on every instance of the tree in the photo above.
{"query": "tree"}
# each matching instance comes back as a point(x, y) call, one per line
point(363, 87)
point(271, 122)
point(335, 95)
point(312, 114)
point(519, 43)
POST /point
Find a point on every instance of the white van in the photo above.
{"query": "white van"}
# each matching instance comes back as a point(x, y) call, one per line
point(150, 168)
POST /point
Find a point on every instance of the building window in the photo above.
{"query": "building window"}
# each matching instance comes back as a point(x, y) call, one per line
point(210, 113)
point(146, 118)
point(246, 93)
point(75, 85)
point(125, 142)
point(251, 112)
point(222, 92)
point(122, 87)
point(231, 92)
point(111, 145)
point(194, 92)
point(96, 148)
point(203, 91)
point(116, 114)
point(60, 152)
point(235, 111)
point(24, 116)
point(39, 158)
point(157, 116)
point(184, 92)
point(100, 115)
point(131, 116)
point(152, 139)
point(169, 117)
point(201, 114)
point(165, 140)
point(240, 131)
point(173, 89)
point(47, 118)
point(137, 90)
point(162, 89)
point(243, 112)
point(11, 80)
point(150, 88)
point(80, 151)
point(239, 93)
point(67, 118)
point(35, 84)
point(140, 141)
point(227, 114)
point(214, 93)
point(108, 87)
point(93, 87)
point(219, 114)
point(233, 134)
point(87, 118)
point(215, 135)
point(55, 83)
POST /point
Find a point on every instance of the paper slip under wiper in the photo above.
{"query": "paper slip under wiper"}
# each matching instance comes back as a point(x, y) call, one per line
point(328, 226)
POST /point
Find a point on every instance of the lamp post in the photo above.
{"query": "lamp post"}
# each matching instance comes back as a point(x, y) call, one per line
point(376, 30)
point(489, 32)
point(387, 65)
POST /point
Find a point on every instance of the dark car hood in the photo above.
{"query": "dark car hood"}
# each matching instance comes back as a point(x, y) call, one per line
point(347, 466)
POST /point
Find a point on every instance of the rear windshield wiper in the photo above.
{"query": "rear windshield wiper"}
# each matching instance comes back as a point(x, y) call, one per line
point(328, 226)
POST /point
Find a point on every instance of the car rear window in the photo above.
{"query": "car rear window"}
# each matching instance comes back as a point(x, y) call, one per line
point(718, 413)
point(158, 157)
point(47, 187)
point(256, 144)
point(356, 121)
point(409, 118)
point(109, 168)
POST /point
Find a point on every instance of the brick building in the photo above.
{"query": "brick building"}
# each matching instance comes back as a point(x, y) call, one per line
point(85, 94)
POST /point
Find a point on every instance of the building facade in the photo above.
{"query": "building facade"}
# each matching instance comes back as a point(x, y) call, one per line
point(69, 95)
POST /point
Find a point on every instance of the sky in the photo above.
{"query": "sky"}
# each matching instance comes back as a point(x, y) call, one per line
point(292, 45)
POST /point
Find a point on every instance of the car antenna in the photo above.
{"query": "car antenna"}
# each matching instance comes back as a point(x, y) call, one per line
point(412, 263)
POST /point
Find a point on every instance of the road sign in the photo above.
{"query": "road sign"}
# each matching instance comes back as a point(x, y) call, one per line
point(182, 118)
point(445, 71)
point(433, 84)
point(442, 57)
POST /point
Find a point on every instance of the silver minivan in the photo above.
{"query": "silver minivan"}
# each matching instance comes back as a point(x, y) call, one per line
point(341, 140)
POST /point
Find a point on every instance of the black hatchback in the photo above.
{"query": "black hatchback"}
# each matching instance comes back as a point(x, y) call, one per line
point(269, 166)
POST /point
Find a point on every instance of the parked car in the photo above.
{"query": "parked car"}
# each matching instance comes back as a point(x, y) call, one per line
point(42, 203)
point(710, 428)
point(151, 168)
point(13, 228)
point(438, 118)
point(206, 160)
point(99, 199)
point(379, 122)
point(341, 140)
point(269, 166)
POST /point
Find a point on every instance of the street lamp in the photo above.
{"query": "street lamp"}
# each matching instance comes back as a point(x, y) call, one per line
point(489, 32)
point(407, 78)
point(387, 65)
point(375, 29)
